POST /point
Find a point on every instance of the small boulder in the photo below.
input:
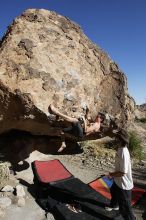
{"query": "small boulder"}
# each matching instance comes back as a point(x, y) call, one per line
point(5, 202)
point(7, 188)
point(20, 191)
point(21, 202)
point(2, 213)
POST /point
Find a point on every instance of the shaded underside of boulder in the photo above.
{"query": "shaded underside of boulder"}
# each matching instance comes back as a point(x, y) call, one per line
point(46, 58)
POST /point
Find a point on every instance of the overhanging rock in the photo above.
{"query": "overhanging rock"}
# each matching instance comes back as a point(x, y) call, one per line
point(46, 58)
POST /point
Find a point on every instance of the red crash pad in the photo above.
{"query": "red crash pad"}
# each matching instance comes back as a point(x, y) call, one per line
point(50, 171)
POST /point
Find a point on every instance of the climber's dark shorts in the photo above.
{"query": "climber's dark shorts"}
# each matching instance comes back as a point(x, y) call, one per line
point(76, 130)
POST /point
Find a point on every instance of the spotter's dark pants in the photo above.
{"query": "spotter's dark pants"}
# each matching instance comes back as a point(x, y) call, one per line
point(122, 198)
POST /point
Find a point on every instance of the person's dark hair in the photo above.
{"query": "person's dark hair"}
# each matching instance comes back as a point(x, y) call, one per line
point(81, 120)
point(102, 116)
point(122, 136)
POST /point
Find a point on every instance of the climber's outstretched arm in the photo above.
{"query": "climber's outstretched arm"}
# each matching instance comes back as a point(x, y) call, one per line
point(88, 116)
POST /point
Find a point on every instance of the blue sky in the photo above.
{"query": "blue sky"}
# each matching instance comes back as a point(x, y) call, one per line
point(117, 26)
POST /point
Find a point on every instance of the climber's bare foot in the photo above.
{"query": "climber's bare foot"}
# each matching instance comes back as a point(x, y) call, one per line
point(50, 109)
point(63, 146)
point(53, 109)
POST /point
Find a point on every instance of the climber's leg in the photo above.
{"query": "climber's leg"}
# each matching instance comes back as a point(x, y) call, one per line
point(65, 117)
point(63, 145)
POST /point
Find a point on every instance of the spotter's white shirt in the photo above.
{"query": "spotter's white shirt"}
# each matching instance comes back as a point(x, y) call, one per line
point(123, 164)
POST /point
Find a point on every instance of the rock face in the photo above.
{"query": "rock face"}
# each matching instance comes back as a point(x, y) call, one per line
point(46, 58)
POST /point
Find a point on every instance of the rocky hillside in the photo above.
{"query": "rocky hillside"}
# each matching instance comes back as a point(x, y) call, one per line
point(46, 58)
point(141, 111)
point(142, 107)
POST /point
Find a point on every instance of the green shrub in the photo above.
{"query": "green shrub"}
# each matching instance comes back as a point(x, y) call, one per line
point(135, 146)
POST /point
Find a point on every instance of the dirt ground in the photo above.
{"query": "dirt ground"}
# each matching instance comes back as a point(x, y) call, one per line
point(87, 173)
point(84, 162)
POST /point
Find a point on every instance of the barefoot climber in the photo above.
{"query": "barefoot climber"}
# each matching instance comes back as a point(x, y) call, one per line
point(78, 128)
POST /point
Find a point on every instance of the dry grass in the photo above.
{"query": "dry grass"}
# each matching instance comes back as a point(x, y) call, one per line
point(100, 149)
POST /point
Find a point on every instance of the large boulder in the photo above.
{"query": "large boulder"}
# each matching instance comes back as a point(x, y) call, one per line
point(46, 58)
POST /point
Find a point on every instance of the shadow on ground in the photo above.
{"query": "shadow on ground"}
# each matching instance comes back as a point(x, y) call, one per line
point(16, 146)
point(140, 175)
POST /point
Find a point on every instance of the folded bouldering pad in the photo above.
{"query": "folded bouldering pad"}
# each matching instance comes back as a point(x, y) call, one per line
point(68, 212)
point(49, 172)
point(102, 185)
point(90, 200)
point(57, 187)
